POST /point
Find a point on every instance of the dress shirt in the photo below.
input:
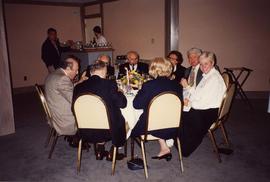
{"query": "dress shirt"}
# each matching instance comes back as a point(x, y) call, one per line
point(209, 92)
point(134, 67)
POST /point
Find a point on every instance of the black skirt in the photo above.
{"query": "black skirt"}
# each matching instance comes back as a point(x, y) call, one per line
point(194, 126)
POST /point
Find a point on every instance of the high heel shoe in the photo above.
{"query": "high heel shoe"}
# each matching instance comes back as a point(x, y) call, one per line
point(167, 156)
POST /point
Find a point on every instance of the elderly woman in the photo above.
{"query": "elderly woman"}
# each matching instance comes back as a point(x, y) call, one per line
point(203, 102)
point(160, 70)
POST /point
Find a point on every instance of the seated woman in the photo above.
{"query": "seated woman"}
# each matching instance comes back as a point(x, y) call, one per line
point(108, 91)
point(203, 101)
point(176, 59)
point(160, 69)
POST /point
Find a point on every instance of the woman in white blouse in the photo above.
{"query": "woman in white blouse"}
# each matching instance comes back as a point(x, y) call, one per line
point(201, 103)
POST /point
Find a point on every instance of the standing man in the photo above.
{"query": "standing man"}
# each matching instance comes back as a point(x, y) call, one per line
point(59, 91)
point(51, 50)
point(133, 64)
point(99, 39)
point(193, 74)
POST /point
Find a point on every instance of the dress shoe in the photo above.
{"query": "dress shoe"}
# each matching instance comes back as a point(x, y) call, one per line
point(167, 156)
point(100, 152)
point(119, 156)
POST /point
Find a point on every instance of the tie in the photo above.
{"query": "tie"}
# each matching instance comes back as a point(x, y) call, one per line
point(132, 67)
point(191, 78)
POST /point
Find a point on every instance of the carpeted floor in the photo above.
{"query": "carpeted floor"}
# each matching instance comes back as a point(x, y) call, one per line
point(24, 158)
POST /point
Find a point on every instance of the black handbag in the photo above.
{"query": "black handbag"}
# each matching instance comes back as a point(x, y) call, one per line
point(135, 164)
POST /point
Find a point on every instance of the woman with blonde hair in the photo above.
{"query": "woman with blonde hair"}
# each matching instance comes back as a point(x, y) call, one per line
point(160, 69)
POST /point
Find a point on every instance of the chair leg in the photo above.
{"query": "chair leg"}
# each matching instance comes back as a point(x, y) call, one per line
point(214, 144)
point(79, 156)
point(114, 159)
point(144, 160)
point(225, 135)
point(53, 145)
point(132, 148)
point(180, 155)
point(49, 136)
point(125, 149)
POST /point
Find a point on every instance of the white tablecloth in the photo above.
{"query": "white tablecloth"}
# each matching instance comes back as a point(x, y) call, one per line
point(131, 114)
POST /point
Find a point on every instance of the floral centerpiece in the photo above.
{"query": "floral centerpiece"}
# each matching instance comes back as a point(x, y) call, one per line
point(132, 78)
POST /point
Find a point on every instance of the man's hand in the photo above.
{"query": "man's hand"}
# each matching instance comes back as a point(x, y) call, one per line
point(186, 101)
point(184, 83)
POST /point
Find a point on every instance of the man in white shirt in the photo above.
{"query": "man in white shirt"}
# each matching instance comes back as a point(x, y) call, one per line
point(204, 101)
point(99, 39)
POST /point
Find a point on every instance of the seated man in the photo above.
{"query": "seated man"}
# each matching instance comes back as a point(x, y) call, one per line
point(58, 92)
point(193, 74)
point(107, 60)
point(133, 64)
point(108, 91)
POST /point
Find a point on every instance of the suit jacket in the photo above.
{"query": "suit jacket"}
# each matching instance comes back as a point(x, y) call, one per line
point(142, 68)
point(108, 91)
point(58, 92)
point(198, 77)
point(179, 72)
point(110, 71)
point(149, 90)
point(49, 54)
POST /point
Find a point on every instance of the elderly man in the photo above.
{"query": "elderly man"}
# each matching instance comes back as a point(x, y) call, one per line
point(107, 60)
point(133, 64)
point(58, 92)
point(193, 74)
point(114, 99)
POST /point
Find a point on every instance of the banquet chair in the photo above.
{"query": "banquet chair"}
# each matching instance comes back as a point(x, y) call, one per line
point(227, 79)
point(164, 111)
point(47, 113)
point(223, 115)
point(52, 135)
point(91, 113)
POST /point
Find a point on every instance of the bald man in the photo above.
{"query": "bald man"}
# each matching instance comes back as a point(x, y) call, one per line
point(133, 64)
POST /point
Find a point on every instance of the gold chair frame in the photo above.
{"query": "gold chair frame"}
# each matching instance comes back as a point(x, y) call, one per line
point(223, 115)
point(52, 135)
point(81, 98)
point(227, 79)
point(147, 137)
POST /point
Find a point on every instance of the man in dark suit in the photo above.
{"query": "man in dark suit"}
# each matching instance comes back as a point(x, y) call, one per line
point(51, 50)
point(193, 74)
point(114, 99)
point(176, 58)
point(107, 60)
point(133, 64)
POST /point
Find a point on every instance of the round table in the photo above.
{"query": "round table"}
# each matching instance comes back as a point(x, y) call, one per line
point(131, 114)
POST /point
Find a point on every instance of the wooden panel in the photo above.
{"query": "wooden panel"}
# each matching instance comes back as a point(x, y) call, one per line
point(6, 106)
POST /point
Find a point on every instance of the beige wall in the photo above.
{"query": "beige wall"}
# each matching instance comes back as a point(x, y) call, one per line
point(135, 25)
point(26, 27)
point(237, 31)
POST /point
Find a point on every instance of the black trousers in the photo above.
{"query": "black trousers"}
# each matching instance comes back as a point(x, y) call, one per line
point(195, 125)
